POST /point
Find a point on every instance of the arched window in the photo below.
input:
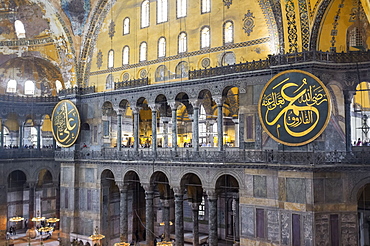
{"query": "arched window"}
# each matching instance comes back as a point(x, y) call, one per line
point(182, 70)
point(12, 86)
point(19, 29)
point(162, 47)
point(109, 82)
point(182, 42)
point(161, 74)
point(181, 8)
point(205, 38)
point(162, 11)
point(228, 59)
point(228, 32)
point(145, 14)
point(206, 6)
point(58, 85)
point(125, 55)
point(126, 26)
point(29, 87)
point(143, 49)
point(356, 38)
point(110, 58)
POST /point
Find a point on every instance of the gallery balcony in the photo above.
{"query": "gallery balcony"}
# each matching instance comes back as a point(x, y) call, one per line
point(211, 156)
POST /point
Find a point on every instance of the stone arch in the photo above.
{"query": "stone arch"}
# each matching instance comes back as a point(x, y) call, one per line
point(110, 199)
point(16, 179)
point(192, 184)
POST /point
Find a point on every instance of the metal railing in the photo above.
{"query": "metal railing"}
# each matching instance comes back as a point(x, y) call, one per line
point(22, 153)
point(284, 59)
point(213, 156)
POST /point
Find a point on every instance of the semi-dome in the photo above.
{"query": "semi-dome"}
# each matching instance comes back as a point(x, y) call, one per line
point(30, 76)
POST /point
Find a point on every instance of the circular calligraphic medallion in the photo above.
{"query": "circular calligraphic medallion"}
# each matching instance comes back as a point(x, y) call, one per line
point(294, 107)
point(65, 122)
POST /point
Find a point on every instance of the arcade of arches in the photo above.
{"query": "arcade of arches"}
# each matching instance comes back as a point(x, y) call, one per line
point(172, 143)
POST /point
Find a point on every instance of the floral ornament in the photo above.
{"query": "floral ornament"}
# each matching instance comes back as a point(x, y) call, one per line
point(112, 30)
point(248, 22)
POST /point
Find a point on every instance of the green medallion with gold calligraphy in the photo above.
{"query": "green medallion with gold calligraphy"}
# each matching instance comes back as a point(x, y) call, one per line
point(65, 121)
point(294, 107)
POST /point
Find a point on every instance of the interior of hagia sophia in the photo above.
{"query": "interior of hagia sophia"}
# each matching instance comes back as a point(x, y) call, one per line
point(171, 145)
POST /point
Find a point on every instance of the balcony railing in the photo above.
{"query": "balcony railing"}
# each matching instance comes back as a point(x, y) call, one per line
point(285, 59)
point(131, 83)
point(23, 153)
point(77, 90)
point(27, 99)
point(228, 156)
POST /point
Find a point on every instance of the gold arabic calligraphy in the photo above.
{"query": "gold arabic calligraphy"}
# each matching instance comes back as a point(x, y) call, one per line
point(299, 108)
point(66, 122)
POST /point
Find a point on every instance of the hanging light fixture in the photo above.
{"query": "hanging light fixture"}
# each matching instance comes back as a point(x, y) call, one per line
point(16, 219)
point(164, 243)
point(97, 236)
point(121, 244)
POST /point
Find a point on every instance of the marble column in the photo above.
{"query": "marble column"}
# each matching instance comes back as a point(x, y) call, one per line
point(220, 131)
point(123, 212)
point(195, 214)
point(20, 140)
point(2, 134)
point(135, 112)
point(119, 131)
point(165, 132)
point(195, 142)
point(212, 220)
point(166, 219)
point(32, 200)
point(38, 128)
point(149, 213)
point(236, 142)
point(179, 218)
point(154, 108)
point(174, 126)
point(347, 117)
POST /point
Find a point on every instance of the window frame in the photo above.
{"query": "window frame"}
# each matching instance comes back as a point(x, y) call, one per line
point(205, 38)
point(145, 12)
point(181, 8)
point(163, 54)
point(183, 41)
point(162, 11)
point(225, 32)
point(29, 91)
point(126, 26)
point(110, 59)
point(141, 53)
point(207, 9)
point(13, 88)
point(123, 55)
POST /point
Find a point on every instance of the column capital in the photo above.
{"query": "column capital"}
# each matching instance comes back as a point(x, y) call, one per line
point(135, 109)
point(154, 106)
point(178, 191)
point(173, 104)
point(219, 100)
point(195, 102)
point(212, 194)
point(165, 202)
point(122, 186)
point(148, 188)
point(194, 205)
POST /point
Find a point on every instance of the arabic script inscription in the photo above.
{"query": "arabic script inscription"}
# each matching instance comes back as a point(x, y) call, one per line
point(65, 123)
point(294, 107)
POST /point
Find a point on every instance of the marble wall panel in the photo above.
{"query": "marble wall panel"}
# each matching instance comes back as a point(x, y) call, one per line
point(247, 221)
point(259, 186)
point(296, 190)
